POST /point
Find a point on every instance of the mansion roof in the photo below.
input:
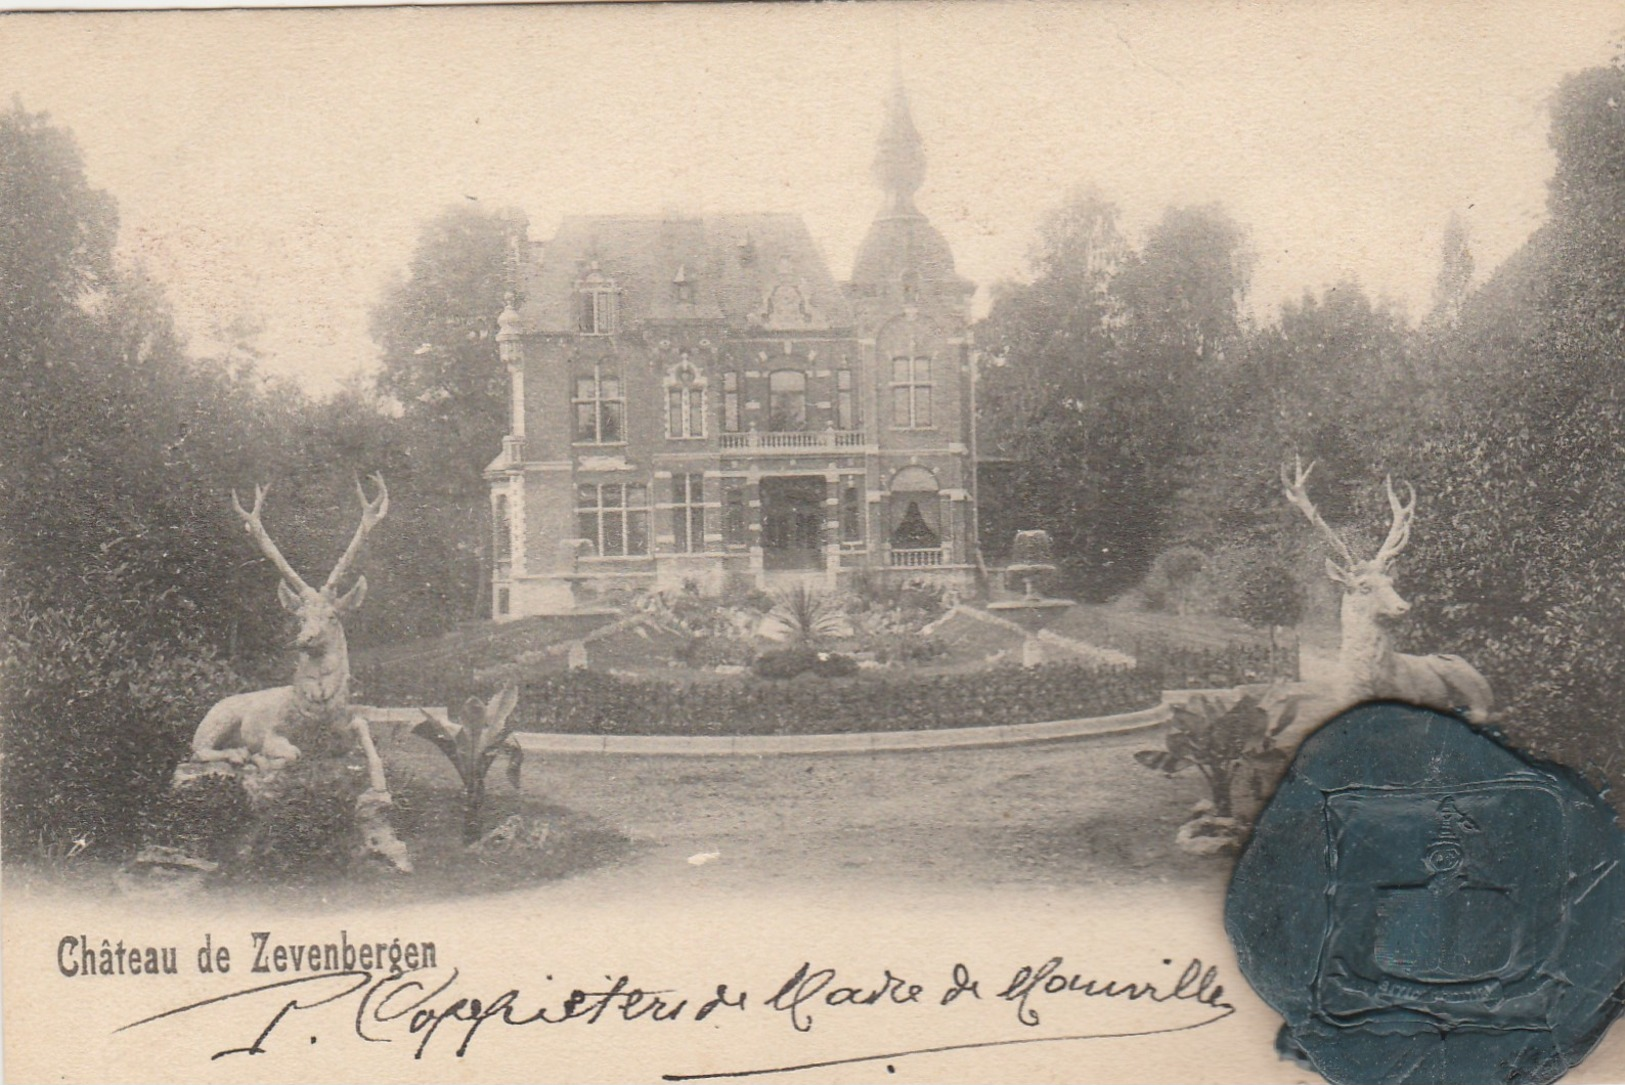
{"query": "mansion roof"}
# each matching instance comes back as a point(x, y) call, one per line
point(748, 271)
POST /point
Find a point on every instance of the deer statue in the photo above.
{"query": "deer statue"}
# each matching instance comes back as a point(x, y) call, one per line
point(250, 726)
point(1371, 669)
point(249, 729)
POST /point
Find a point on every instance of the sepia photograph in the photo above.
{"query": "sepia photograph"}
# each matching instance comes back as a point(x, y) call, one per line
point(958, 540)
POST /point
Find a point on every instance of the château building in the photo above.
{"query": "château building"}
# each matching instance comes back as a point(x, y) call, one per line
point(697, 402)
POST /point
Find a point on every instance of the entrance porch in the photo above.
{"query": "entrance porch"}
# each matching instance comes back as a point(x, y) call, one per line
point(793, 522)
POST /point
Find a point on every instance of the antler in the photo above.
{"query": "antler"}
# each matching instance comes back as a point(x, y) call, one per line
point(251, 523)
point(1295, 493)
point(1399, 533)
point(371, 512)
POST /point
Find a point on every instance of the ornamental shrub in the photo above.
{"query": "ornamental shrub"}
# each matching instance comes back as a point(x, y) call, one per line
point(785, 662)
point(308, 828)
point(92, 722)
point(834, 665)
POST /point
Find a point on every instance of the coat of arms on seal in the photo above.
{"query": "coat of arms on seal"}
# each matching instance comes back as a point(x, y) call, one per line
point(1422, 904)
point(1429, 919)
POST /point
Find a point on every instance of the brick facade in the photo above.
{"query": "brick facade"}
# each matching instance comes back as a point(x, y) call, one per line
point(697, 402)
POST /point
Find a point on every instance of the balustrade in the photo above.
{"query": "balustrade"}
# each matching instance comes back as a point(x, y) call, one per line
point(792, 441)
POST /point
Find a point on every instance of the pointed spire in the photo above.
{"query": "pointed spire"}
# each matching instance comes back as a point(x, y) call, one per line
point(899, 167)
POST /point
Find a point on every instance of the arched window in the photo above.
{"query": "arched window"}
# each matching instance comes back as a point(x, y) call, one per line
point(916, 512)
point(787, 400)
point(685, 400)
point(596, 304)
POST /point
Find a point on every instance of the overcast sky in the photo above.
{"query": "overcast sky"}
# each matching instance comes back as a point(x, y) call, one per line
point(278, 165)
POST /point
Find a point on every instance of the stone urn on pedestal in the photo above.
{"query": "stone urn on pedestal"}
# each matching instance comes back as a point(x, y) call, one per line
point(1031, 564)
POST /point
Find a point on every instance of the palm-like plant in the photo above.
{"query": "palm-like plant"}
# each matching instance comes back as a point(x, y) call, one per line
point(808, 615)
point(1222, 743)
point(472, 744)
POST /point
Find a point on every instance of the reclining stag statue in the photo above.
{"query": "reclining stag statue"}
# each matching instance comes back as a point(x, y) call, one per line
point(1370, 668)
point(249, 727)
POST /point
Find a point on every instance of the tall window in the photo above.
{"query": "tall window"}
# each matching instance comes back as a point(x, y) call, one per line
point(735, 513)
point(730, 402)
point(600, 409)
point(852, 509)
point(685, 401)
point(614, 517)
point(502, 530)
point(786, 400)
point(911, 393)
point(688, 512)
point(846, 415)
point(596, 304)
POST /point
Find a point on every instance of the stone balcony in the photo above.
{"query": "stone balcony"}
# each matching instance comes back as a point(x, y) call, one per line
point(511, 457)
point(792, 442)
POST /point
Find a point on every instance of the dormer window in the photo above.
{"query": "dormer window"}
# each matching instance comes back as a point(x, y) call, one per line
point(596, 304)
point(682, 287)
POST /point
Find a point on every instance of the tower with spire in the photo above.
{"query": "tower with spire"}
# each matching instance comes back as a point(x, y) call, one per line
point(904, 258)
point(912, 313)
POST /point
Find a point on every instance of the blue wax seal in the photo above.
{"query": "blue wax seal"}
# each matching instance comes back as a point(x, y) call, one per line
point(1421, 904)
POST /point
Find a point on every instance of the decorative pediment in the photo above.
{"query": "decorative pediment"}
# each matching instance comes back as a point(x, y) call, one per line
point(683, 373)
point(785, 308)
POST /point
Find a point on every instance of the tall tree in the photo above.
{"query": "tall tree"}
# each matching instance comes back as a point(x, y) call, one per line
point(56, 236)
point(437, 330)
point(1333, 379)
point(1110, 354)
point(1455, 274)
point(1523, 569)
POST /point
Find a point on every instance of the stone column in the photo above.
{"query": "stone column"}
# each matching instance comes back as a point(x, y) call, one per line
point(753, 527)
point(832, 528)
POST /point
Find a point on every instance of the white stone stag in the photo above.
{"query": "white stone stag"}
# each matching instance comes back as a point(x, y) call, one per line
point(1370, 669)
point(249, 727)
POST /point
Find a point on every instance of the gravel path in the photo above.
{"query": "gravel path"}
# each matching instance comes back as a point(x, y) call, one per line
point(1072, 814)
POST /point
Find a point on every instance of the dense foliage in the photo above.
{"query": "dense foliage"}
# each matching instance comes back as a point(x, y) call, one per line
point(436, 330)
point(1102, 382)
point(1222, 742)
point(96, 719)
point(1523, 565)
point(1503, 406)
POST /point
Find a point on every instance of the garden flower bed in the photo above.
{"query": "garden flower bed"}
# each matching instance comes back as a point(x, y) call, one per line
point(590, 702)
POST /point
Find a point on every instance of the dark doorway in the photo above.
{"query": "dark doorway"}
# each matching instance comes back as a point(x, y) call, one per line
point(793, 522)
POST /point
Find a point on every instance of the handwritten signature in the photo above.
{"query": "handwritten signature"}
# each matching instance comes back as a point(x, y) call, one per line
point(427, 1004)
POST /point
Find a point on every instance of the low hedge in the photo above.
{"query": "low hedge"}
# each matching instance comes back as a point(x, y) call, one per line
point(590, 702)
